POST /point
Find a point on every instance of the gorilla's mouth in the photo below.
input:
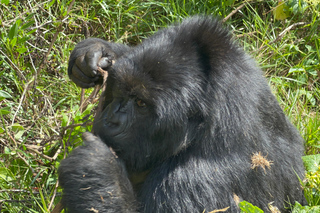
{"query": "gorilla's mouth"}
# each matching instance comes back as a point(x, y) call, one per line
point(112, 129)
point(106, 129)
point(111, 124)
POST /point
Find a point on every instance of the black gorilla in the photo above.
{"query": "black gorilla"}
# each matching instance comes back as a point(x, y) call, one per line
point(193, 125)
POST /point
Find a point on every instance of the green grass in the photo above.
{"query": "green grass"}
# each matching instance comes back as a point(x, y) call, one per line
point(40, 120)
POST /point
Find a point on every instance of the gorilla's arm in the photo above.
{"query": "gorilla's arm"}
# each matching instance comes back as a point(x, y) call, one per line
point(88, 55)
point(94, 179)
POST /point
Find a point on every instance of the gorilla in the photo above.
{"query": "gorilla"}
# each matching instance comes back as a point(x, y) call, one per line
point(189, 124)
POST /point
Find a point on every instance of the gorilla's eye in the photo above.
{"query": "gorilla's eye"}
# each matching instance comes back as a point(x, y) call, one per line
point(141, 103)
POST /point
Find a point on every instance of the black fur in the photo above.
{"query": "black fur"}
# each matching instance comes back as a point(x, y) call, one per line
point(208, 111)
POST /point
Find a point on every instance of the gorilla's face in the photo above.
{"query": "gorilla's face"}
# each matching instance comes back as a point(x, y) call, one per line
point(129, 123)
point(119, 120)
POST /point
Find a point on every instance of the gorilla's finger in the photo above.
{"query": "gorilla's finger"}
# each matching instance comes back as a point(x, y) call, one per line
point(80, 62)
point(87, 136)
point(77, 73)
point(92, 58)
point(104, 62)
point(80, 83)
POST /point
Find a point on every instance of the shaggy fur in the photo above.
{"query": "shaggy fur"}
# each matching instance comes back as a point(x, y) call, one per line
point(210, 134)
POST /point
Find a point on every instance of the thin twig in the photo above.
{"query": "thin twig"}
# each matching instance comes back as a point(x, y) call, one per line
point(82, 99)
point(91, 97)
point(15, 190)
point(279, 37)
point(25, 161)
point(21, 99)
point(39, 153)
point(54, 195)
point(104, 86)
point(235, 11)
point(288, 29)
point(21, 76)
point(95, 92)
point(14, 141)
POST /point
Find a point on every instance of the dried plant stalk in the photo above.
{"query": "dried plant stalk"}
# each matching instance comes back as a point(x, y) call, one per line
point(104, 86)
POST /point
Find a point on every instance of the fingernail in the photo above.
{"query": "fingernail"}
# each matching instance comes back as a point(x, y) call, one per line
point(104, 62)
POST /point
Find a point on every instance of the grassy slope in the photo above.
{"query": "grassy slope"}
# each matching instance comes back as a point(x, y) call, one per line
point(40, 117)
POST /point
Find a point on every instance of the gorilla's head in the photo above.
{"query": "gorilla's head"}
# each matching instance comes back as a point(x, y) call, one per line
point(157, 99)
point(152, 107)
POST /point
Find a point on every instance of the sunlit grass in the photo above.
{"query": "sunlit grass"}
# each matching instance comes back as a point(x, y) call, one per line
point(40, 119)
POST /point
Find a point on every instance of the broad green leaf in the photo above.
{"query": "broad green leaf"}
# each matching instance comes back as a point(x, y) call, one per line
point(6, 2)
point(32, 31)
point(298, 6)
point(298, 208)
point(279, 12)
point(22, 50)
point(19, 134)
point(23, 40)
point(31, 15)
point(311, 162)
point(296, 70)
point(4, 94)
point(5, 110)
point(88, 109)
point(13, 41)
point(247, 207)
point(17, 127)
point(7, 150)
point(51, 3)
point(64, 120)
point(13, 31)
point(308, 94)
point(27, 25)
point(6, 174)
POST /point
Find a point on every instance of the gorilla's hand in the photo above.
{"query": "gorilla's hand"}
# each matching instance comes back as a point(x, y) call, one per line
point(93, 177)
point(90, 54)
